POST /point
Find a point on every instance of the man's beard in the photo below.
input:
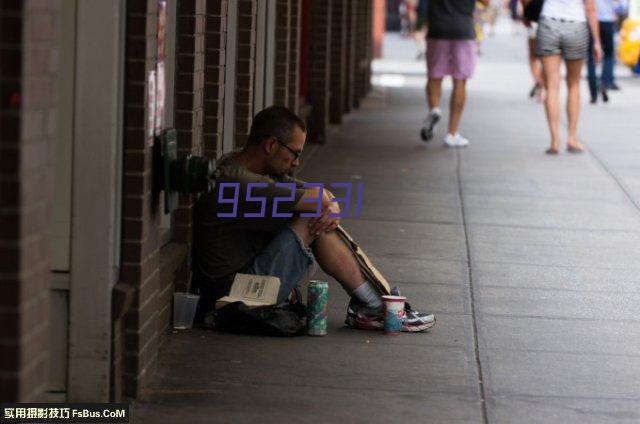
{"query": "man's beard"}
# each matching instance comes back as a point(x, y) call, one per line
point(288, 173)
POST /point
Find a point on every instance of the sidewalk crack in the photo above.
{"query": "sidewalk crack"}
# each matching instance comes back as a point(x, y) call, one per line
point(476, 348)
point(616, 179)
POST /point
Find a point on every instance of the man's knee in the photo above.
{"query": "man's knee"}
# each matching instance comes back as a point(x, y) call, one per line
point(459, 83)
point(301, 227)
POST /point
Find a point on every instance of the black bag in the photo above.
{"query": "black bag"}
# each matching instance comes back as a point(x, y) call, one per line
point(533, 9)
point(286, 319)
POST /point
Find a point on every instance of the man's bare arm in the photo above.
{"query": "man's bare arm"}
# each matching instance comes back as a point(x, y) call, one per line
point(308, 202)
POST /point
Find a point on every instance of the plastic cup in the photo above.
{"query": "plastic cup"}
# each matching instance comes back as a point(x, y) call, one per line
point(393, 314)
point(184, 310)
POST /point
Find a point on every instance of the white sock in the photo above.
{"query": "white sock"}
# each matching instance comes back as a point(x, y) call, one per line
point(435, 111)
point(366, 294)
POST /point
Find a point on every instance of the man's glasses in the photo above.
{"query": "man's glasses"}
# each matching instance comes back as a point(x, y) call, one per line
point(296, 155)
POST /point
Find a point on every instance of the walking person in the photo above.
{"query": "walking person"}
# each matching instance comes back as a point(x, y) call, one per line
point(537, 91)
point(420, 34)
point(451, 50)
point(607, 22)
point(535, 65)
point(563, 33)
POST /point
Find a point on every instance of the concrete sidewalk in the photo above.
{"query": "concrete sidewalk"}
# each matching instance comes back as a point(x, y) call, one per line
point(529, 262)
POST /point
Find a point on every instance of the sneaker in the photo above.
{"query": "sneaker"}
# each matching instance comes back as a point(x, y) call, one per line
point(361, 317)
point(414, 321)
point(455, 140)
point(429, 126)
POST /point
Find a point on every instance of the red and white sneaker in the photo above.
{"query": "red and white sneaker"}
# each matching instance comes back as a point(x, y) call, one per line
point(361, 317)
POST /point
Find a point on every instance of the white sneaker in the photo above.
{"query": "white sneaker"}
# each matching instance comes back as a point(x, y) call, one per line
point(429, 125)
point(455, 140)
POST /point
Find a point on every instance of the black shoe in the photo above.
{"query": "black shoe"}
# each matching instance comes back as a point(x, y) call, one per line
point(605, 96)
point(429, 126)
point(613, 86)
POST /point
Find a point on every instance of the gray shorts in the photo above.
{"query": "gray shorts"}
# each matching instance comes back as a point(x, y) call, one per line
point(559, 37)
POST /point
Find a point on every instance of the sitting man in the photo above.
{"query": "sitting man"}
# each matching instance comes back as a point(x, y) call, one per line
point(227, 241)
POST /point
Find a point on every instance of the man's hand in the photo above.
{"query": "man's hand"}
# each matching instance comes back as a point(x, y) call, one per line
point(597, 52)
point(324, 223)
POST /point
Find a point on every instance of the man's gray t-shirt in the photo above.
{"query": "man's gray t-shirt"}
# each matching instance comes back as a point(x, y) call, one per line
point(451, 19)
point(224, 245)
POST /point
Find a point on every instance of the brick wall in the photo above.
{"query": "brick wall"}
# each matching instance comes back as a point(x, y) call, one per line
point(350, 62)
point(140, 249)
point(338, 61)
point(215, 42)
point(245, 69)
point(283, 35)
point(199, 79)
point(28, 65)
point(294, 56)
point(318, 73)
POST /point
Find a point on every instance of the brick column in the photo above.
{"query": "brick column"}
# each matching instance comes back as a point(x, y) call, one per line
point(350, 62)
point(319, 61)
point(368, 36)
point(190, 75)
point(215, 43)
point(27, 135)
point(140, 218)
point(189, 115)
point(361, 51)
point(294, 56)
point(283, 35)
point(245, 69)
point(338, 60)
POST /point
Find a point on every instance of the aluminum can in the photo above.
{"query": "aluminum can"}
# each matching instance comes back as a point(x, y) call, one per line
point(317, 297)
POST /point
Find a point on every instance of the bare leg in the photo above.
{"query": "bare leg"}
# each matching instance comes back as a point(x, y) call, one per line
point(456, 105)
point(551, 69)
point(333, 256)
point(574, 67)
point(434, 92)
point(534, 64)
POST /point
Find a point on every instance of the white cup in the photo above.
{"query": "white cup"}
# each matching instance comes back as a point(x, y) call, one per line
point(184, 310)
point(393, 314)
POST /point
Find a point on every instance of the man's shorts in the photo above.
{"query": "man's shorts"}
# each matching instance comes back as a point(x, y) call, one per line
point(285, 257)
point(451, 57)
point(559, 37)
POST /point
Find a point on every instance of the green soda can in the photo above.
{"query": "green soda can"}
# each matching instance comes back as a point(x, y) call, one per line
point(317, 297)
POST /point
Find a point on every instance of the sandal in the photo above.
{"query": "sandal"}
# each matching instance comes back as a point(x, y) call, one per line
point(551, 151)
point(534, 90)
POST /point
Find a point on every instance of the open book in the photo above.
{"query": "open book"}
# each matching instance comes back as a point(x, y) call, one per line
point(252, 290)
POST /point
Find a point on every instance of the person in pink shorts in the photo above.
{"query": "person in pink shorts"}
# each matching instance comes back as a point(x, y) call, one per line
point(451, 50)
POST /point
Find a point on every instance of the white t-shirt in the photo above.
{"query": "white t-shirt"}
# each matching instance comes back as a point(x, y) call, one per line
point(571, 10)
